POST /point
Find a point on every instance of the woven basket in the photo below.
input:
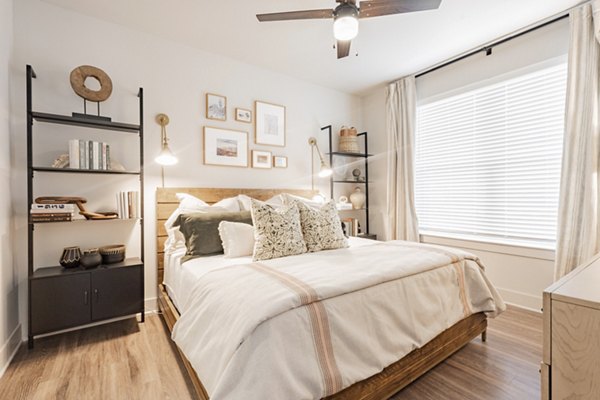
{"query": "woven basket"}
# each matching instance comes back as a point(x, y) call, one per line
point(345, 131)
point(349, 144)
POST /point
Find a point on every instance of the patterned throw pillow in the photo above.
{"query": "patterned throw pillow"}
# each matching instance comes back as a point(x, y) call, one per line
point(321, 228)
point(277, 232)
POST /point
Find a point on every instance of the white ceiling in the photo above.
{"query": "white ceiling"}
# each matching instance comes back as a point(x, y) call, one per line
point(388, 47)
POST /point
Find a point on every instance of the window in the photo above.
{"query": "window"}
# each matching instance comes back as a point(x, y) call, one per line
point(487, 161)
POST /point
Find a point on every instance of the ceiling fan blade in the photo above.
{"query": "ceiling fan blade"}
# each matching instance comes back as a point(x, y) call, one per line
point(377, 8)
point(291, 15)
point(343, 48)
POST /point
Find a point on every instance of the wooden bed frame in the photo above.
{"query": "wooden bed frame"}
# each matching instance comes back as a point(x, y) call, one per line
point(378, 387)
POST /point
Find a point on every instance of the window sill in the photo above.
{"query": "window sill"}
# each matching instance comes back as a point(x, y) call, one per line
point(470, 244)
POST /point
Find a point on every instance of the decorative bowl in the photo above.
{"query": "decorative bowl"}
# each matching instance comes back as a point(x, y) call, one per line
point(90, 258)
point(113, 253)
point(70, 257)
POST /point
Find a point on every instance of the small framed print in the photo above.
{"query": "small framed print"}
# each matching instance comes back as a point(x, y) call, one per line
point(261, 159)
point(269, 124)
point(279, 162)
point(225, 147)
point(243, 115)
point(216, 107)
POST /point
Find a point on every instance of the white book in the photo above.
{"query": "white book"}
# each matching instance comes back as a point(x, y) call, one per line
point(95, 158)
point(119, 214)
point(73, 153)
point(87, 154)
point(125, 205)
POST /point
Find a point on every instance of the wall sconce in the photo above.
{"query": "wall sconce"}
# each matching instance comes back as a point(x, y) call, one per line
point(165, 157)
point(325, 169)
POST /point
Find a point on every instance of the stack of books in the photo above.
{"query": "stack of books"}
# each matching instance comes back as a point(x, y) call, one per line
point(128, 205)
point(52, 212)
point(88, 154)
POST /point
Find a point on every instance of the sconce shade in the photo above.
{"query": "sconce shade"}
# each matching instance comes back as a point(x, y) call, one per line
point(325, 171)
point(166, 156)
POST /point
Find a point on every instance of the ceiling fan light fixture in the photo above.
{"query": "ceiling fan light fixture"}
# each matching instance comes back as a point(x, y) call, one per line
point(345, 28)
point(345, 24)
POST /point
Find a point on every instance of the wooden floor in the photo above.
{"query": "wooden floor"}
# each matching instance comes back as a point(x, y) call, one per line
point(126, 360)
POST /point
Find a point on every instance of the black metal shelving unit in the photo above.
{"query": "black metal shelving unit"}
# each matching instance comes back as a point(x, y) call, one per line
point(365, 155)
point(120, 286)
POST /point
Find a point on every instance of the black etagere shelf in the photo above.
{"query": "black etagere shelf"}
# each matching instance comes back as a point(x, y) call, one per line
point(332, 182)
point(99, 294)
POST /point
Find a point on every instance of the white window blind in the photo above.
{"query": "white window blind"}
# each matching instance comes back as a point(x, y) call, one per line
point(487, 162)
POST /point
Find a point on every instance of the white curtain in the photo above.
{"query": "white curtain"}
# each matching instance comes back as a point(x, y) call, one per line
point(578, 236)
point(401, 115)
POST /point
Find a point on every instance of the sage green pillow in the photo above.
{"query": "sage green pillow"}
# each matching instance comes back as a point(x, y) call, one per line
point(201, 231)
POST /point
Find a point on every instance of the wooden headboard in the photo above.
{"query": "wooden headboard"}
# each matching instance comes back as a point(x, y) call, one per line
point(166, 203)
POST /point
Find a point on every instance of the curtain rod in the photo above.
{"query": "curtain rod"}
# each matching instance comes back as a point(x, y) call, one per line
point(488, 47)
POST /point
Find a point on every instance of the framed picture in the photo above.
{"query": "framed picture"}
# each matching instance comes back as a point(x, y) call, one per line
point(216, 107)
point(261, 159)
point(280, 162)
point(225, 147)
point(243, 115)
point(270, 124)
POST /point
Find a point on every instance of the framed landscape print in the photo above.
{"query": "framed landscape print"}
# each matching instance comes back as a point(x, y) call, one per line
point(261, 159)
point(225, 147)
point(216, 107)
point(280, 162)
point(270, 124)
point(243, 115)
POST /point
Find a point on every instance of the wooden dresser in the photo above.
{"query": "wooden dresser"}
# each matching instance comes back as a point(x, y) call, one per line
point(571, 353)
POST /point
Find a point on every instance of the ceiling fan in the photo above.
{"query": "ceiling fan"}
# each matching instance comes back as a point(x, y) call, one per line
point(348, 12)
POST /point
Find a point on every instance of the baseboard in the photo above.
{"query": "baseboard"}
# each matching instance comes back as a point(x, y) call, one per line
point(9, 349)
point(521, 300)
point(151, 304)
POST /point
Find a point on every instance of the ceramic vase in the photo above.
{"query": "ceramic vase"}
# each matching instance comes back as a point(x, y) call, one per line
point(91, 258)
point(70, 257)
point(357, 199)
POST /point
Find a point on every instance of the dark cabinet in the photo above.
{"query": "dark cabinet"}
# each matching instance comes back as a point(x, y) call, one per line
point(62, 299)
point(60, 302)
point(116, 293)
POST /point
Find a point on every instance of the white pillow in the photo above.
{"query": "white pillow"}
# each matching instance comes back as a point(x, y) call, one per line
point(289, 198)
point(190, 204)
point(189, 201)
point(237, 239)
point(246, 201)
point(175, 240)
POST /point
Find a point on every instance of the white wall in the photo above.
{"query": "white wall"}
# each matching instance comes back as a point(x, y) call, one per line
point(175, 79)
point(521, 274)
point(9, 322)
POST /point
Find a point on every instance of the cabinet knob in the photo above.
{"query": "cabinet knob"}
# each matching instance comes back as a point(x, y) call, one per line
point(97, 293)
point(85, 297)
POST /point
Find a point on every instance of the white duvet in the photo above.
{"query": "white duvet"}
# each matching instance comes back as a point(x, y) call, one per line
point(305, 327)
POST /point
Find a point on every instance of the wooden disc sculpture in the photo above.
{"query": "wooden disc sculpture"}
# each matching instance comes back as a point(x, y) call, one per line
point(81, 73)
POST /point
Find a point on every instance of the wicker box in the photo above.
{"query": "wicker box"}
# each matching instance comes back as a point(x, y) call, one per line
point(349, 144)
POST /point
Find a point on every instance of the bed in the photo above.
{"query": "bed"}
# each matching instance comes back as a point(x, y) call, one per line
point(396, 352)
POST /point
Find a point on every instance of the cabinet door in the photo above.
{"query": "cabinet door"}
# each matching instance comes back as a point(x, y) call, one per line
point(60, 302)
point(116, 292)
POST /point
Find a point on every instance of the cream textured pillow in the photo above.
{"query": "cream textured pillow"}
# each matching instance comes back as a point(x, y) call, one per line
point(321, 228)
point(237, 239)
point(277, 232)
